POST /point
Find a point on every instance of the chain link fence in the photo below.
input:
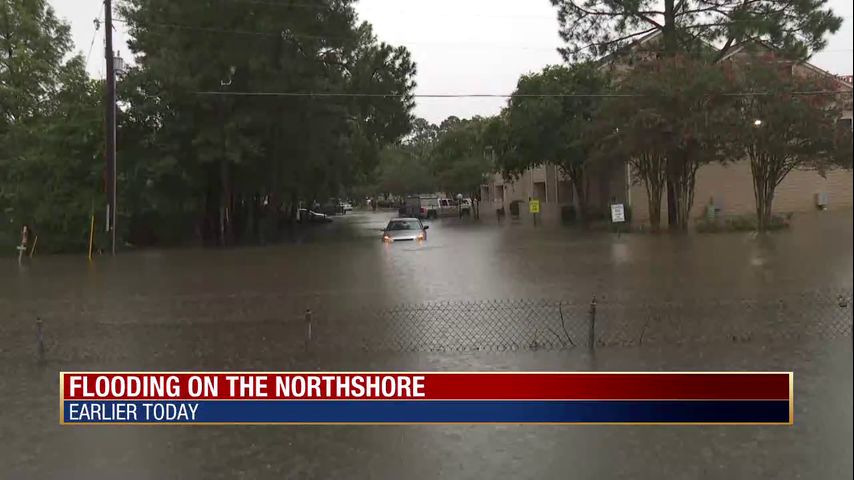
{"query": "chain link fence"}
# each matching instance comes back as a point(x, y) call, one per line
point(276, 327)
point(506, 325)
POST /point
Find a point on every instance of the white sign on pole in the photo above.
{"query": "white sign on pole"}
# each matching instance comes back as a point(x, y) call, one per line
point(618, 213)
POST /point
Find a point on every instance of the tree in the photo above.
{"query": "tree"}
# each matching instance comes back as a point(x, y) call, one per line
point(549, 119)
point(338, 97)
point(781, 130)
point(592, 28)
point(638, 138)
point(50, 129)
point(403, 172)
point(458, 157)
point(422, 137)
point(844, 145)
point(670, 117)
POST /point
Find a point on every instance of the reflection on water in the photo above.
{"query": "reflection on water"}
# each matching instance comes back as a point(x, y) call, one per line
point(234, 309)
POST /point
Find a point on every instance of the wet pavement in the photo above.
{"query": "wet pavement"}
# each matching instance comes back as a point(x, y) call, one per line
point(237, 308)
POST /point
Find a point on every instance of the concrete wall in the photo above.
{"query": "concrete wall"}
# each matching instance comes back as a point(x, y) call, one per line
point(730, 188)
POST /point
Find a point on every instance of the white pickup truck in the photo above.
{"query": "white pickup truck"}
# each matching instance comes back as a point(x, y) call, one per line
point(449, 207)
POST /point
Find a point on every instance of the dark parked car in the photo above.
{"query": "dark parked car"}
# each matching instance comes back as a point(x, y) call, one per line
point(331, 208)
point(309, 216)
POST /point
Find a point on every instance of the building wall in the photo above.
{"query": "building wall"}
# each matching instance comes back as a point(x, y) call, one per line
point(730, 189)
point(549, 185)
point(542, 183)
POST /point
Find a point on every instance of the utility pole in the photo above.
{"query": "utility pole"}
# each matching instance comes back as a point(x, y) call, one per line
point(110, 105)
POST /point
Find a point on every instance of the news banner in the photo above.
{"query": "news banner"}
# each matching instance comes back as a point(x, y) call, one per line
point(243, 398)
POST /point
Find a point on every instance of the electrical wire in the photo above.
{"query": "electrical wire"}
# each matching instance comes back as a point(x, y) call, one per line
point(493, 95)
point(284, 34)
point(94, 35)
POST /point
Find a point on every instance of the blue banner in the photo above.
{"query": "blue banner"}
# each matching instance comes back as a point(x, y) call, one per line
point(446, 411)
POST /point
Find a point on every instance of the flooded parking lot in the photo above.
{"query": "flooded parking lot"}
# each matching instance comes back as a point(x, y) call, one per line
point(188, 309)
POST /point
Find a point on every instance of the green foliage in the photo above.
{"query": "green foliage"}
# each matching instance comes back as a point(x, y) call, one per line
point(191, 162)
point(452, 157)
point(459, 157)
point(549, 120)
point(742, 224)
point(546, 127)
point(51, 131)
point(403, 172)
point(591, 28)
point(229, 160)
point(673, 114)
point(843, 153)
point(783, 130)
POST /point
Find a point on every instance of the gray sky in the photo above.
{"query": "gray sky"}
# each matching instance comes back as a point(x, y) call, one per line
point(460, 46)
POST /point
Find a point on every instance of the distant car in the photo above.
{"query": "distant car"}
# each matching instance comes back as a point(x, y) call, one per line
point(309, 216)
point(332, 207)
point(404, 229)
point(465, 206)
point(346, 207)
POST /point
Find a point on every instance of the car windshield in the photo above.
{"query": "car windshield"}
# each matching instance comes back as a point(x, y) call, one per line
point(402, 225)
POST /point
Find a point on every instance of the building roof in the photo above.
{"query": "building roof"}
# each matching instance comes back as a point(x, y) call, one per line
point(842, 80)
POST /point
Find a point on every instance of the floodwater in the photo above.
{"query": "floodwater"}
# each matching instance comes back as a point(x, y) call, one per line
point(238, 308)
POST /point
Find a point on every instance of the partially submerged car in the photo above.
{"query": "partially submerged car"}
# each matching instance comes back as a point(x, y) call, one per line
point(404, 229)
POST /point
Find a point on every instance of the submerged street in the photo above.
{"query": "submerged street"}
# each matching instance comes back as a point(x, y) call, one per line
point(243, 309)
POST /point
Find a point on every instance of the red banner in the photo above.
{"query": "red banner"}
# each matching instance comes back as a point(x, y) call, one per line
point(425, 386)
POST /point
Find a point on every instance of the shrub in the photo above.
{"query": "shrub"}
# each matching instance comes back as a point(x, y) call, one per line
point(568, 214)
point(746, 223)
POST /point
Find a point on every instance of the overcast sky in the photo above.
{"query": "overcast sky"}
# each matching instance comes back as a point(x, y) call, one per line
point(460, 46)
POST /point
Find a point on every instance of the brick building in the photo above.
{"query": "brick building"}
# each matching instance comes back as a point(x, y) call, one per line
point(728, 188)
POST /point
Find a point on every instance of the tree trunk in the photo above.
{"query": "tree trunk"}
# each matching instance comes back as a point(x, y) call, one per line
point(672, 221)
point(668, 31)
point(653, 196)
point(651, 167)
point(681, 175)
point(576, 177)
point(765, 180)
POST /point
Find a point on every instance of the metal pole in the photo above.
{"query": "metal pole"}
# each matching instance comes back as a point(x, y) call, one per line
point(110, 105)
point(307, 329)
point(40, 338)
point(591, 341)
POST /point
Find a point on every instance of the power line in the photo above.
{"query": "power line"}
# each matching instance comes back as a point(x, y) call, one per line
point(495, 95)
point(97, 23)
point(314, 6)
point(178, 26)
point(285, 34)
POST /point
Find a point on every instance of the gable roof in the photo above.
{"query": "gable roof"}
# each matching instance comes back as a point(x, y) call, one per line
point(836, 78)
point(608, 59)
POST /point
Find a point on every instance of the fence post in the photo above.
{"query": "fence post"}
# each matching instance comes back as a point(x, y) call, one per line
point(40, 338)
point(307, 328)
point(591, 341)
